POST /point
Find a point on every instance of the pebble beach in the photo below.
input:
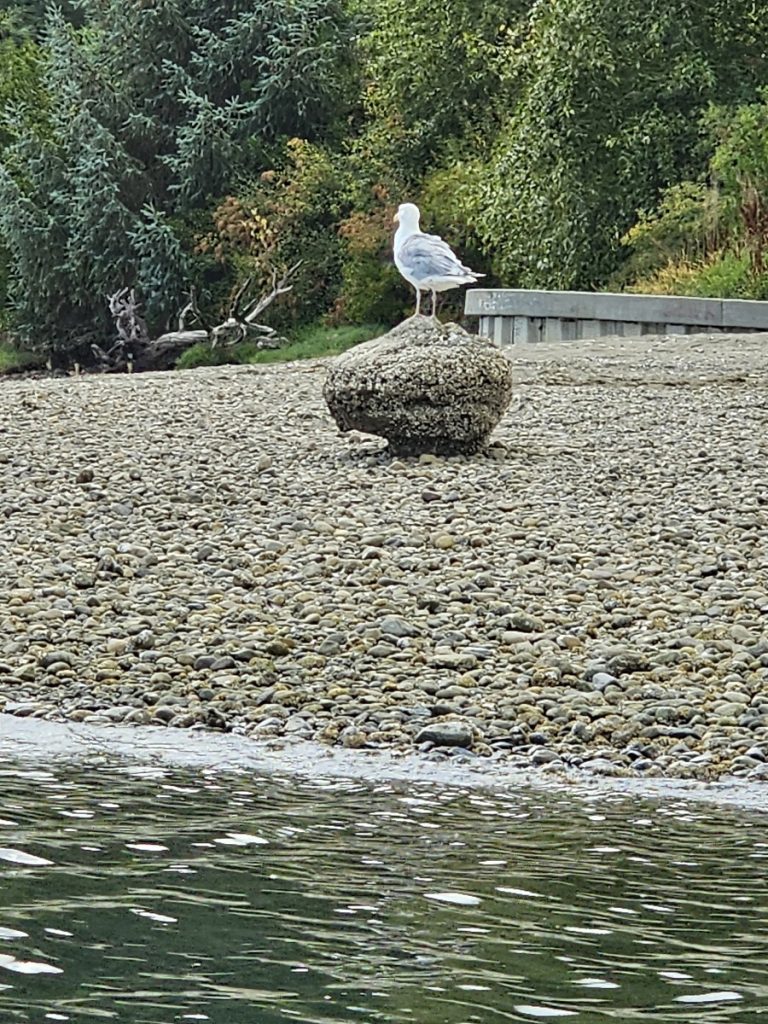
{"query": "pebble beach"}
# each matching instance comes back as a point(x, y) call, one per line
point(203, 549)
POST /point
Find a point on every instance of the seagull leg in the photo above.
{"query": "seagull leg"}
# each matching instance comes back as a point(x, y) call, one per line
point(434, 304)
point(418, 302)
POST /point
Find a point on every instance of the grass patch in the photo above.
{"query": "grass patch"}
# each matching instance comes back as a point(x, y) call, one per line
point(308, 343)
point(13, 360)
point(202, 354)
point(316, 341)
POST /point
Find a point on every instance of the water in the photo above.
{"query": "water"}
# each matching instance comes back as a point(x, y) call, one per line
point(199, 895)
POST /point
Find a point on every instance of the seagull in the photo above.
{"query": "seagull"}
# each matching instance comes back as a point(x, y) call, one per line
point(426, 261)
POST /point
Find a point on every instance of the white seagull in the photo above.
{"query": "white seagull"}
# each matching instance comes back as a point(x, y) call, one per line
point(426, 261)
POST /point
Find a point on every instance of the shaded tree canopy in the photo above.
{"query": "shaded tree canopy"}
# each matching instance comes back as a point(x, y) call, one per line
point(606, 113)
point(155, 109)
point(163, 144)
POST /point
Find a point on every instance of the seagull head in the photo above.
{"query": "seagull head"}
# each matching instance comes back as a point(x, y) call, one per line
point(408, 216)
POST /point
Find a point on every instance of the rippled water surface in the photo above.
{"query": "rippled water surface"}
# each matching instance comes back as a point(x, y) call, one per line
point(152, 895)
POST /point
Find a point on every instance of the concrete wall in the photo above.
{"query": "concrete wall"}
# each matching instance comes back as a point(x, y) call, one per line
point(513, 315)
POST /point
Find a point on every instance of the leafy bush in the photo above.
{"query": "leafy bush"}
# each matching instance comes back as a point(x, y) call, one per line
point(711, 239)
point(685, 228)
point(739, 166)
point(432, 102)
point(433, 78)
point(288, 214)
point(25, 19)
point(725, 274)
point(13, 359)
point(22, 95)
point(372, 289)
point(21, 91)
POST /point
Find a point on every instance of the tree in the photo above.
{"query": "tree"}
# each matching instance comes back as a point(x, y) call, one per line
point(433, 76)
point(144, 135)
point(739, 169)
point(20, 75)
point(605, 105)
point(21, 89)
point(432, 102)
point(710, 236)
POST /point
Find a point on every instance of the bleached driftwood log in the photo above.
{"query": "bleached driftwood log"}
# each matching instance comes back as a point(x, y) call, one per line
point(244, 311)
point(134, 350)
point(132, 333)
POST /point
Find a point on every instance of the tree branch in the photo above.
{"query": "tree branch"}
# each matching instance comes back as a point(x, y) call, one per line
point(281, 287)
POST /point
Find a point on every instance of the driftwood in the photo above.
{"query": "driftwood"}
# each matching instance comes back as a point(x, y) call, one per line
point(132, 333)
point(244, 311)
point(134, 350)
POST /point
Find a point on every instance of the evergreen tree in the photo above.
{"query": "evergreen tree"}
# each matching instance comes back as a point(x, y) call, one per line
point(156, 108)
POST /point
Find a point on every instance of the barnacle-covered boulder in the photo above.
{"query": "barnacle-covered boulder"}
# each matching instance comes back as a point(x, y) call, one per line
point(424, 386)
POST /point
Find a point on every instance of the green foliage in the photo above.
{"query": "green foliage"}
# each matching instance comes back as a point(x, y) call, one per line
point(741, 156)
point(371, 287)
point(25, 19)
point(432, 103)
point(739, 167)
point(724, 274)
point(446, 205)
point(158, 144)
point(315, 341)
point(606, 104)
point(22, 98)
point(310, 342)
point(21, 86)
point(711, 239)
point(67, 225)
point(14, 360)
point(202, 354)
point(433, 75)
point(142, 135)
point(289, 213)
point(683, 228)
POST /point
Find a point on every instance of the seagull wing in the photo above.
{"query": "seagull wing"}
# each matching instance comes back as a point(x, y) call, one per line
point(429, 256)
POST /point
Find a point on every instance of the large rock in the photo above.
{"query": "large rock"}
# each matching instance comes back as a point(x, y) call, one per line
point(424, 386)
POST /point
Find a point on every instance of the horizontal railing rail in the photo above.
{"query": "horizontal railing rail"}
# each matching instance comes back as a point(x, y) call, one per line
point(512, 315)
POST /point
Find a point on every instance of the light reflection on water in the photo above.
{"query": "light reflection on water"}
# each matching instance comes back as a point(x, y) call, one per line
point(195, 896)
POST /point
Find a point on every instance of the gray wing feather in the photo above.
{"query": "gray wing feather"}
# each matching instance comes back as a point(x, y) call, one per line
point(430, 256)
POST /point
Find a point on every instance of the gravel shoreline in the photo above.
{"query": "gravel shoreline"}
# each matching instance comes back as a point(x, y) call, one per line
point(34, 742)
point(203, 549)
